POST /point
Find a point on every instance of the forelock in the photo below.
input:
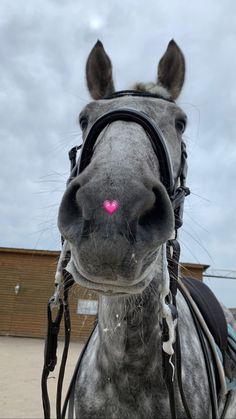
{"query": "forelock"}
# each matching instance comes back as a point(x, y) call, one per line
point(153, 88)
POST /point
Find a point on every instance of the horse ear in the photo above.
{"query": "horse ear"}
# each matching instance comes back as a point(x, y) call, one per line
point(171, 70)
point(99, 72)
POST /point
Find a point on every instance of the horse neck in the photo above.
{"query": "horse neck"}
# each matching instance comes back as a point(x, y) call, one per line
point(129, 326)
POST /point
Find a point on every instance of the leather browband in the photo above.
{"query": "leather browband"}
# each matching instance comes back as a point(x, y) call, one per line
point(136, 93)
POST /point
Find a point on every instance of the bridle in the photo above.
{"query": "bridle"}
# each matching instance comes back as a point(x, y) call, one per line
point(177, 191)
point(176, 188)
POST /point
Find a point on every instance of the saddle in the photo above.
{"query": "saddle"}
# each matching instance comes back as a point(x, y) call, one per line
point(222, 333)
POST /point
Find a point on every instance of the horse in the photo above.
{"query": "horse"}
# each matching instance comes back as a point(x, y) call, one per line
point(117, 217)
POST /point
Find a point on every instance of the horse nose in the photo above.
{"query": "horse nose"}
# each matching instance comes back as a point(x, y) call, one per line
point(90, 200)
point(86, 207)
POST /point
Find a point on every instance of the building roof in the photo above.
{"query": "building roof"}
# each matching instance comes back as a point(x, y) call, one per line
point(42, 252)
point(29, 251)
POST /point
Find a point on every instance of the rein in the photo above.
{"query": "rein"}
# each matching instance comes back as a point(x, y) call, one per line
point(177, 190)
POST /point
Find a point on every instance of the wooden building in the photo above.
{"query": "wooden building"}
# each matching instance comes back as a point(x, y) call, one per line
point(27, 282)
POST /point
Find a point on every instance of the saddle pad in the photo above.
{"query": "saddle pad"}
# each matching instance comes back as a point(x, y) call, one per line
point(210, 309)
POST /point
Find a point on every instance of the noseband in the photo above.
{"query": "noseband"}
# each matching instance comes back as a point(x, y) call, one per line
point(176, 188)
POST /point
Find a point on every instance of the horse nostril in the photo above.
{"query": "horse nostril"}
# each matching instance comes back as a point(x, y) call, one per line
point(69, 211)
point(149, 216)
point(159, 214)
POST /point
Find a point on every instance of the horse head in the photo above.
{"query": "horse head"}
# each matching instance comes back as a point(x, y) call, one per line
point(118, 209)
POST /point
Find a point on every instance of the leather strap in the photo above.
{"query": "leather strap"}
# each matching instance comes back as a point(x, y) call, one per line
point(50, 350)
point(173, 254)
point(206, 354)
point(176, 193)
point(68, 282)
point(155, 135)
point(136, 93)
point(71, 388)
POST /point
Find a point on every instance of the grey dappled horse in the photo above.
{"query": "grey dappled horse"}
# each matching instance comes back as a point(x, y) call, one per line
point(122, 256)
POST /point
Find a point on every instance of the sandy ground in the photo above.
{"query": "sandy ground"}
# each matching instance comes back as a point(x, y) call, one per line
point(21, 361)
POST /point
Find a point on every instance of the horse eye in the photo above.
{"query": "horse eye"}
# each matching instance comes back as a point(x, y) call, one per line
point(180, 125)
point(83, 121)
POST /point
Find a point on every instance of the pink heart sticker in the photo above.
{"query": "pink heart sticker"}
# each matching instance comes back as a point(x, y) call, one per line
point(110, 206)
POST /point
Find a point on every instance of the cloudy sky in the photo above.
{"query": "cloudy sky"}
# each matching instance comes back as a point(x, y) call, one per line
point(43, 48)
